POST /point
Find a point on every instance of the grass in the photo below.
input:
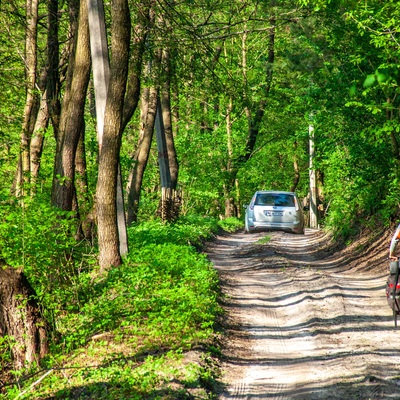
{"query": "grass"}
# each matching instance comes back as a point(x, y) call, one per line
point(264, 240)
point(145, 331)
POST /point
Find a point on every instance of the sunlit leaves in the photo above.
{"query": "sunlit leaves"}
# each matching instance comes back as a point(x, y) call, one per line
point(317, 5)
point(369, 80)
point(381, 76)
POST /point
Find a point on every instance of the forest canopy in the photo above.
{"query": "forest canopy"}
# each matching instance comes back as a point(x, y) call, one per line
point(116, 115)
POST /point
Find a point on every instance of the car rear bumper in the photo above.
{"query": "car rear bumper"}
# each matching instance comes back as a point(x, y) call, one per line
point(296, 227)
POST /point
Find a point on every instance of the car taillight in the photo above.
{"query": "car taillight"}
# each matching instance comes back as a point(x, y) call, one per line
point(296, 204)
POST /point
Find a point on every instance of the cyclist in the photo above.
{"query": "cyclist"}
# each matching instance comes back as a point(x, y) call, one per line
point(393, 244)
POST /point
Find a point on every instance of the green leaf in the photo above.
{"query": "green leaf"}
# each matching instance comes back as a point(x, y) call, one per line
point(369, 81)
point(382, 76)
point(353, 90)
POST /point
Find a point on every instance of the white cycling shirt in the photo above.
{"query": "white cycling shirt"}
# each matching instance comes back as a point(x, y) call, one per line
point(394, 241)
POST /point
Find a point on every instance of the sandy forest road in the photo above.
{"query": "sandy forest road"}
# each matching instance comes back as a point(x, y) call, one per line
point(305, 322)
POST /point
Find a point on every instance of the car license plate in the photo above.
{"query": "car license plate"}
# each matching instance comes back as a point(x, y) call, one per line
point(273, 213)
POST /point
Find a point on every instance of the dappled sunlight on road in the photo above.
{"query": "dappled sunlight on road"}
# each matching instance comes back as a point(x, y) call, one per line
point(308, 325)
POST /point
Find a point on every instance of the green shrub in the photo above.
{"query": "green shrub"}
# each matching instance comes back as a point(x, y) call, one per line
point(231, 224)
point(170, 287)
point(160, 303)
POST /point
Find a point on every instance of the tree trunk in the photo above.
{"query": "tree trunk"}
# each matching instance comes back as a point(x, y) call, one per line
point(20, 317)
point(100, 61)
point(30, 72)
point(230, 208)
point(167, 121)
point(106, 191)
point(39, 121)
point(36, 145)
point(255, 121)
point(254, 118)
point(101, 78)
point(135, 68)
point(296, 169)
point(84, 202)
point(313, 182)
point(53, 60)
point(165, 176)
point(71, 120)
point(148, 108)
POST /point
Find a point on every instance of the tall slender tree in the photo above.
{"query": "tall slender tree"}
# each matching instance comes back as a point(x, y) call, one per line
point(23, 170)
point(72, 116)
point(101, 77)
point(148, 111)
point(106, 190)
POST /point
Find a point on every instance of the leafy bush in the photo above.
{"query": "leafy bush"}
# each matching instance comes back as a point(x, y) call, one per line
point(231, 224)
point(190, 230)
point(125, 334)
point(170, 287)
point(40, 239)
point(355, 184)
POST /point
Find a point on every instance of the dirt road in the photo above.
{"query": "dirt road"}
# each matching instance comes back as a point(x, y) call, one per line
point(305, 322)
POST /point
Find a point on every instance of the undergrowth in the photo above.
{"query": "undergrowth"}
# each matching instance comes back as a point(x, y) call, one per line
point(146, 330)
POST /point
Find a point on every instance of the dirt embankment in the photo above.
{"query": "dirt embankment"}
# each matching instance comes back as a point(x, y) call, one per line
point(305, 322)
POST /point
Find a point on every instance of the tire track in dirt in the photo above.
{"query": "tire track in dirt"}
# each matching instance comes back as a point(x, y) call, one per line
point(303, 323)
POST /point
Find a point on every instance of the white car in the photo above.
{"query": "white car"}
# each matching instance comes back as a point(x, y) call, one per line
point(274, 210)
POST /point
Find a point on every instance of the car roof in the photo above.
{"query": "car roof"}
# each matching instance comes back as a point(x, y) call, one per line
point(274, 191)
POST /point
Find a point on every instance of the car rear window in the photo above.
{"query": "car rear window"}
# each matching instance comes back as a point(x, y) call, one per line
point(274, 199)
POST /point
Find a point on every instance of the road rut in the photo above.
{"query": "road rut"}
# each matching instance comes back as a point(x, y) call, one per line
point(304, 321)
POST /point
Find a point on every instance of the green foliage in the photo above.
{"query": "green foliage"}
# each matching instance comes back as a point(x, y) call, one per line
point(231, 224)
point(6, 344)
point(160, 304)
point(39, 238)
point(169, 286)
point(264, 240)
point(355, 182)
point(128, 378)
point(337, 60)
point(189, 230)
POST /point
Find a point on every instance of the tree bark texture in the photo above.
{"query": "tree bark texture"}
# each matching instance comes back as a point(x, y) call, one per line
point(106, 191)
point(20, 317)
point(86, 229)
point(53, 60)
point(254, 118)
point(101, 80)
point(167, 120)
point(296, 170)
point(312, 180)
point(71, 120)
point(229, 168)
point(148, 109)
point(255, 121)
point(36, 144)
point(140, 34)
point(30, 72)
point(100, 61)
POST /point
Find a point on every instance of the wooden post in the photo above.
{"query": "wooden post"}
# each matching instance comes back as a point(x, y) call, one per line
point(313, 184)
point(165, 175)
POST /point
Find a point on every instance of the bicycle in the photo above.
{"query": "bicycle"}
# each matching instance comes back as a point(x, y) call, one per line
point(393, 289)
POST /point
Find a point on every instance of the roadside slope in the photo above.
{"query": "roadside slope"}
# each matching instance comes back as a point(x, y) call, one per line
point(305, 322)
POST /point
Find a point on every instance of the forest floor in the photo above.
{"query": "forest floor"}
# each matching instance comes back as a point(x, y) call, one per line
point(305, 320)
